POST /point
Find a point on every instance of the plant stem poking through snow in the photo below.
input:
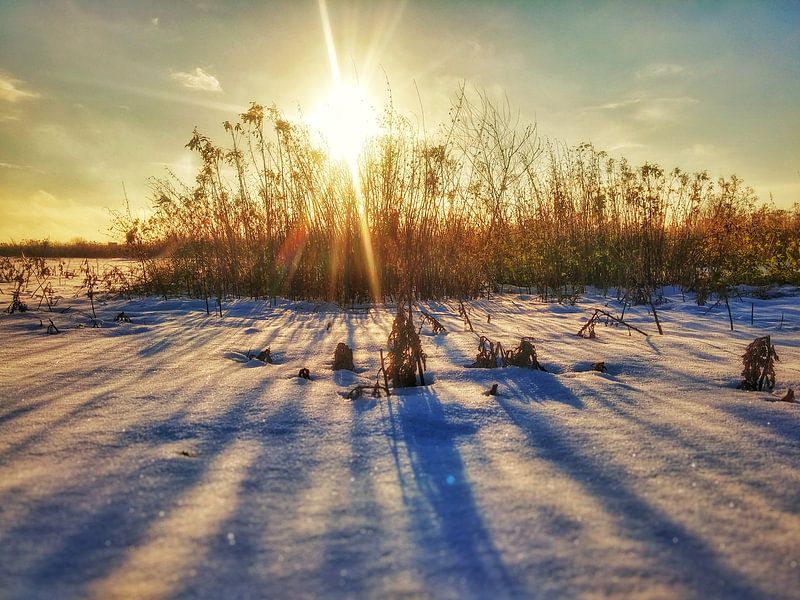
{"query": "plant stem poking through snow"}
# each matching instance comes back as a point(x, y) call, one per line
point(16, 303)
point(492, 391)
point(759, 365)
point(406, 357)
point(492, 355)
point(264, 356)
point(488, 354)
point(343, 358)
point(462, 312)
point(358, 391)
point(52, 329)
point(523, 355)
point(587, 331)
point(436, 326)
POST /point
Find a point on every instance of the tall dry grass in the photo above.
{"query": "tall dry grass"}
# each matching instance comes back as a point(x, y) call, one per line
point(479, 203)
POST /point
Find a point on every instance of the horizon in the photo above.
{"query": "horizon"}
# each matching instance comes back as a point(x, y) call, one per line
point(94, 95)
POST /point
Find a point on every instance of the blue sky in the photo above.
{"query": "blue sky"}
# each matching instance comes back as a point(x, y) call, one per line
point(96, 93)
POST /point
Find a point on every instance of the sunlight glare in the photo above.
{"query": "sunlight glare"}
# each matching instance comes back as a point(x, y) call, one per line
point(346, 120)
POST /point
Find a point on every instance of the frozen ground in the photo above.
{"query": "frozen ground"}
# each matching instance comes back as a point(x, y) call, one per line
point(144, 460)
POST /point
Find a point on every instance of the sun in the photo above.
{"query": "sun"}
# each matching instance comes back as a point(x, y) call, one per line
point(346, 120)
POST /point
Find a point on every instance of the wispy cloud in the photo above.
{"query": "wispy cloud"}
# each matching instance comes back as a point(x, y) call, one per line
point(701, 150)
point(11, 89)
point(646, 108)
point(660, 70)
point(626, 146)
point(197, 80)
point(15, 167)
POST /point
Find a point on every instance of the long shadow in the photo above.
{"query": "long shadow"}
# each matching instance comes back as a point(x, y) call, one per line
point(716, 463)
point(256, 539)
point(16, 413)
point(73, 384)
point(536, 386)
point(81, 533)
point(69, 539)
point(30, 384)
point(60, 424)
point(680, 438)
point(769, 419)
point(694, 563)
point(356, 557)
point(353, 322)
point(447, 523)
point(155, 348)
point(352, 563)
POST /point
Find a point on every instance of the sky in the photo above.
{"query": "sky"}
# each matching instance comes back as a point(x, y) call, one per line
point(94, 94)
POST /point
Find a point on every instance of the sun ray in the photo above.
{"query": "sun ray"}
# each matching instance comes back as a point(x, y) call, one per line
point(366, 238)
point(346, 120)
point(329, 43)
point(381, 38)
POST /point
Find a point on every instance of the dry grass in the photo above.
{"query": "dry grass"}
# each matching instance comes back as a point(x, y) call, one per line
point(479, 203)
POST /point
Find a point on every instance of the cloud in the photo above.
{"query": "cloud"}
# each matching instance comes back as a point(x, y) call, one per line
point(198, 80)
point(663, 109)
point(659, 70)
point(701, 150)
point(644, 108)
point(5, 165)
point(626, 146)
point(10, 89)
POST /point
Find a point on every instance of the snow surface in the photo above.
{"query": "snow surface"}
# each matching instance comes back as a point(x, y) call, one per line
point(153, 460)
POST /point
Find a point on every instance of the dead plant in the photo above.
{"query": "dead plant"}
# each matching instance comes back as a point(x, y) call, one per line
point(264, 356)
point(759, 365)
point(358, 391)
point(52, 329)
point(17, 305)
point(436, 326)
point(343, 358)
point(523, 355)
point(601, 316)
point(490, 354)
point(463, 312)
point(406, 358)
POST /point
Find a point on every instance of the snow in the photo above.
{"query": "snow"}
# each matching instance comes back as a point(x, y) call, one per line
point(153, 459)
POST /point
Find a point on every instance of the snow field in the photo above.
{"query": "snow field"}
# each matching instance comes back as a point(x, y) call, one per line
point(149, 460)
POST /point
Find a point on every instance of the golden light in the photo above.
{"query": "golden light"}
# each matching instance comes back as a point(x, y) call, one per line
point(346, 120)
